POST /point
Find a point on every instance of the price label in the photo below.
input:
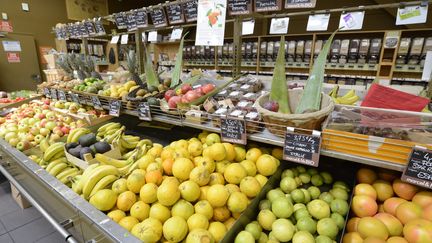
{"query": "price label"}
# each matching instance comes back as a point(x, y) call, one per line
point(176, 34)
point(100, 30)
point(75, 98)
point(114, 108)
point(175, 13)
point(96, 103)
point(300, 3)
point(83, 32)
point(144, 112)
point(302, 148)
point(233, 130)
point(191, 10)
point(47, 92)
point(239, 7)
point(120, 20)
point(419, 168)
point(54, 94)
point(131, 21)
point(141, 18)
point(158, 17)
point(62, 95)
point(90, 28)
point(268, 5)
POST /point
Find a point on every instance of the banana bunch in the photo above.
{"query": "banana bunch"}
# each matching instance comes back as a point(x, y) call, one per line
point(62, 170)
point(349, 98)
point(44, 144)
point(75, 134)
point(95, 178)
point(108, 129)
point(129, 141)
point(54, 151)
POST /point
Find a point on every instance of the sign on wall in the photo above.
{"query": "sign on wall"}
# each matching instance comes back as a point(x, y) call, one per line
point(411, 15)
point(300, 3)
point(211, 22)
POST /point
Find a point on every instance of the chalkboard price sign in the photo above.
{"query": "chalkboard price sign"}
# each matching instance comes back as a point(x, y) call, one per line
point(114, 108)
point(300, 3)
point(233, 130)
point(191, 10)
point(268, 5)
point(53, 94)
point(47, 92)
point(131, 21)
point(302, 148)
point(239, 7)
point(120, 20)
point(62, 95)
point(175, 13)
point(158, 17)
point(75, 31)
point(83, 30)
point(419, 168)
point(75, 98)
point(96, 103)
point(100, 30)
point(141, 18)
point(90, 28)
point(144, 112)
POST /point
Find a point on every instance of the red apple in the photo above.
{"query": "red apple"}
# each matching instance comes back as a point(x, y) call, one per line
point(172, 103)
point(23, 145)
point(169, 94)
point(40, 116)
point(191, 96)
point(185, 88)
point(208, 88)
point(47, 102)
point(65, 130)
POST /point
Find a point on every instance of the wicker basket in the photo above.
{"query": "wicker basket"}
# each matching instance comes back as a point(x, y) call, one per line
point(276, 122)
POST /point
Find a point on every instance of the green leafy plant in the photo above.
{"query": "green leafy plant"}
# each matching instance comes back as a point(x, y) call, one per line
point(175, 79)
point(150, 74)
point(279, 89)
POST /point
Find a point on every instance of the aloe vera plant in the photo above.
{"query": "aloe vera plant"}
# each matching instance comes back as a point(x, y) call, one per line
point(279, 89)
point(311, 98)
point(150, 74)
point(175, 79)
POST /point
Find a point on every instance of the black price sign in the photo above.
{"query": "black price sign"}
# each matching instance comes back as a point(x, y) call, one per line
point(419, 168)
point(120, 20)
point(141, 18)
point(175, 13)
point(158, 17)
point(302, 148)
point(144, 112)
point(83, 30)
point(90, 28)
point(96, 103)
point(131, 21)
point(47, 92)
point(100, 30)
point(300, 3)
point(75, 98)
point(268, 5)
point(54, 94)
point(114, 108)
point(191, 10)
point(239, 7)
point(69, 30)
point(61, 95)
point(75, 31)
point(233, 130)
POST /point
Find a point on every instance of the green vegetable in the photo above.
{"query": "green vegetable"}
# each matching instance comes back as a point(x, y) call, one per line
point(279, 89)
point(175, 79)
point(150, 74)
point(311, 98)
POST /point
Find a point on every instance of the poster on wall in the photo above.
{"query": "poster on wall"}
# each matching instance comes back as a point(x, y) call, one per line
point(279, 25)
point(300, 4)
point(84, 9)
point(13, 57)
point(211, 22)
point(351, 20)
point(412, 15)
point(11, 45)
point(318, 22)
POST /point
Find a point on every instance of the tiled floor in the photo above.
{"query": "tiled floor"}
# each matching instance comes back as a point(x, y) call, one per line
point(23, 225)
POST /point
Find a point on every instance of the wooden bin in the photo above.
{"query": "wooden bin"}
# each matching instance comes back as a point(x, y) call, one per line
point(83, 164)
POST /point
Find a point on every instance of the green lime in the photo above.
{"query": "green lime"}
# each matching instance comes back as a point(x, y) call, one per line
point(288, 173)
point(327, 197)
point(307, 224)
point(282, 207)
point(263, 238)
point(244, 237)
point(319, 209)
point(317, 180)
point(338, 219)
point(303, 237)
point(327, 227)
point(298, 180)
point(305, 178)
point(301, 213)
point(264, 204)
point(339, 206)
point(312, 171)
point(301, 169)
point(295, 172)
point(282, 230)
point(327, 178)
point(314, 192)
point(341, 185)
point(275, 193)
point(254, 228)
point(306, 195)
point(340, 193)
point(288, 184)
point(298, 206)
point(323, 239)
point(298, 196)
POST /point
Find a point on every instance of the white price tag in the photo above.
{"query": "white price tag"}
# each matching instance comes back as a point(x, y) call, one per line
point(152, 36)
point(176, 34)
point(318, 22)
point(412, 15)
point(279, 26)
point(351, 20)
point(143, 37)
point(124, 39)
point(427, 70)
point(248, 27)
point(115, 39)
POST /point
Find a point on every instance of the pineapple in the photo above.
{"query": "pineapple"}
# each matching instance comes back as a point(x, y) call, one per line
point(132, 67)
point(91, 68)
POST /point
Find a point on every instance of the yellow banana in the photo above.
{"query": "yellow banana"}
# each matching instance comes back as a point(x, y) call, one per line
point(109, 126)
point(75, 183)
point(52, 164)
point(68, 178)
point(103, 183)
point(57, 169)
point(53, 150)
point(44, 145)
point(128, 144)
point(96, 175)
point(84, 177)
point(103, 159)
point(131, 138)
point(65, 172)
point(78, 134)
point(350, 94)
point(349, 101)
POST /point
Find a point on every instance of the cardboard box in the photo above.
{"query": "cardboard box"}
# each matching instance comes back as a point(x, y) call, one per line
point(20, 199)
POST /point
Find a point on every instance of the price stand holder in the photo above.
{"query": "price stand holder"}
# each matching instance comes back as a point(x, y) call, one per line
point(114, 108)
point(233, 130)
point(96, 103)
point(302, 148)
point(61, 95)
point(75, 98)
point(144, 112)
point(47, 92)
point(54, 94)
point(419, 168)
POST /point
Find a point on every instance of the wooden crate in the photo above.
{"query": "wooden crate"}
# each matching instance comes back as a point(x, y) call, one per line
point(83, 164)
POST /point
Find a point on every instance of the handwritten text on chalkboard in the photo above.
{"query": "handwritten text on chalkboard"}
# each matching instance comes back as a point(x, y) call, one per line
point(419, 168)
point(233, 130)
point(175, 13)
point(239, 7)
point(302, 148)
point(158, 17)
point(191, 10)
point(268, 5)
point(144, 112)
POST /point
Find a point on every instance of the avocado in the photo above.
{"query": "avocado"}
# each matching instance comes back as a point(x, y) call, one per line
point(75, 152)
point(102, 147)
point(85, 150)
point(92, 147)
point(153, 101)
point(70, 146)
point(87, 140)
point(152, 88)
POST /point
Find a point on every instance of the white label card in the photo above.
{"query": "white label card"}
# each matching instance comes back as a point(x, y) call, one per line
point(248, 27)
point(279, 25)
point(11, 45)
point(210, 30)
point(176, 34)
point(124, 39)
point(318, 22)
point(351, 21)
point(427, 70)
point(143, 37)
point(152, 36)
point(115, 39)
point(411, 15)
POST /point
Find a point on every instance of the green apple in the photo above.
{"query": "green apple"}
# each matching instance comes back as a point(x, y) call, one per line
point(44, 131)
point(38, 138)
